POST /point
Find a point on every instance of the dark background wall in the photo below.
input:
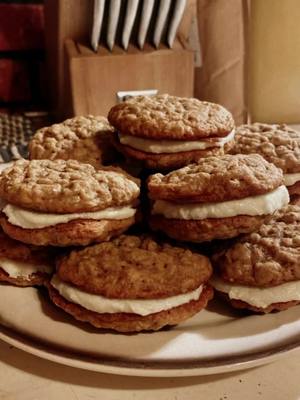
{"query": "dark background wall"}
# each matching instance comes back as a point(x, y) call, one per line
point(22, 57)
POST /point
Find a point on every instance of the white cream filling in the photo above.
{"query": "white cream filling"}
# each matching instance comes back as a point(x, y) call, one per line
point(27, 219)
point(257, 205)
point(291, 179)
point(20, 269)
point(172, 146)
point(259, 297)
point(100, 304)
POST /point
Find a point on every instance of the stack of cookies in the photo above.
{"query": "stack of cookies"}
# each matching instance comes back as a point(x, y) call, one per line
point(204, 180)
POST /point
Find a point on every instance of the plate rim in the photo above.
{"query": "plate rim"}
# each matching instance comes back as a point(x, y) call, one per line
point(143, 368)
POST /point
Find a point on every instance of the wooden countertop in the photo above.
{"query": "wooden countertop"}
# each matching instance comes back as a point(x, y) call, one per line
point(26, 377)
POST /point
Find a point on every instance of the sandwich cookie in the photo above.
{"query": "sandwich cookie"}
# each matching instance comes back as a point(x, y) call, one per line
point(132, 284)
point(167, 132)
point(278, 144)
point(261, 271)
point(218, 198)
point(86, 139)
point(24, 265)
point(64, 203)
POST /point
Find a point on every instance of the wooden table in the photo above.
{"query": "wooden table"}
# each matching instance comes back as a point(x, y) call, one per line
point(26, 377)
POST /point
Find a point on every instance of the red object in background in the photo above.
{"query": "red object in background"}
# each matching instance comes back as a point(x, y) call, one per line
point(21, 27)
point(14, 81)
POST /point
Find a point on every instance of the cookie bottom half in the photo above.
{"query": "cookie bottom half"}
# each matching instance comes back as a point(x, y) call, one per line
point(125, 322)
point(294, 189)
point(38, 278)
point(295, 200)
point(239, 304)
point(167, 161)
point(73, 233)
point(206, 229)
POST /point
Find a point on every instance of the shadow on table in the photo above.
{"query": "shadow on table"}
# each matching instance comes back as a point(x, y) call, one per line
point(73, 376)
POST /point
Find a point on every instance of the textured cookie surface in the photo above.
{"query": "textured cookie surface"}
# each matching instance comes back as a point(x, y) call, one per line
point(216, 179)
point(65, 186)
point(278, 144)
point(86, 139)
point(268, 257)
point(74, 233)
point(199, 231)
point(15, 250)
point(132, 267)
point(124, 322)
point(170, 117)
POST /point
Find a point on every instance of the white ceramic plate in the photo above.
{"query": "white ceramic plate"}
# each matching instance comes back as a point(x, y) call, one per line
point(214, 341)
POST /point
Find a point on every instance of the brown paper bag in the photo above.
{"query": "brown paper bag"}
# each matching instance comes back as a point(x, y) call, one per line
point(221, 79)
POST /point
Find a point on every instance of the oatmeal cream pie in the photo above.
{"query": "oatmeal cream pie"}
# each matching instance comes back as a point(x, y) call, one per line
point(24, 265)
point(278, 144)
point(218, 198)
point(131, 284)
point(167, 132)
point(64, 203)
point(86, 139)
point(261, 271)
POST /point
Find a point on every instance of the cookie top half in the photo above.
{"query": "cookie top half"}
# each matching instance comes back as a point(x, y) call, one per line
point(171, 117)
point(65, 186)
point(81, 138)
point(132, 267)
point(278, 144)
point(216, 179)
point(268, 257)
point(17, 251)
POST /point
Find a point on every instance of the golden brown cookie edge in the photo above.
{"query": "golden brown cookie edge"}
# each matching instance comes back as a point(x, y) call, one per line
point(73, 233)
point(133, 322)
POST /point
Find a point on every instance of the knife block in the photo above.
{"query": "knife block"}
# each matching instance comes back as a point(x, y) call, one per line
point(93, 79)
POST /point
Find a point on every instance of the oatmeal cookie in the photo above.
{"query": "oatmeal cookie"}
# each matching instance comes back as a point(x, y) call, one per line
point(132, 284)
point(169, 161)
point(261, 271)
point(217, 198)
point(86, 139)
point(65, 186)
point(295, 200)
point(166, 132)
point(161, 116)
point(66, 203)
point(135, 267)
point(278, 144)
point(74, 233)
point(15, 250)
point(20, 264)
point(216, 179)
point(268, 257)
point(261, 310)
point(294, 189)
point(35, 279)
point(129, 322)
point(208, 229)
